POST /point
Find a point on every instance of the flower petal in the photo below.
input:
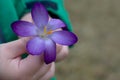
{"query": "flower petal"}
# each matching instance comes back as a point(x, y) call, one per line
point(40, 15)
point(23, 28)
point(36, 46)
point(64, 37)
point(50, 51)
point(54, 24)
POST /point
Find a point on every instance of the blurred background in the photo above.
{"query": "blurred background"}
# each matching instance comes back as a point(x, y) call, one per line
point(96, 56)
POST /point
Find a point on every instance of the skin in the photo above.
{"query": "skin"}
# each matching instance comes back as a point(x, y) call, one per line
point(12, 67)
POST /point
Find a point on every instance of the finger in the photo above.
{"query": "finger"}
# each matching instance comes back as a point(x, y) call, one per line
point(31, 64)
point(15, 48)
point(42, 71)
point(59, 47)
point(62, 53)
point(50, 73)
point(27, 17)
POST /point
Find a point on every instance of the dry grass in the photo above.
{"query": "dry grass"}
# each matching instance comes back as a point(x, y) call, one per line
point(97, 54)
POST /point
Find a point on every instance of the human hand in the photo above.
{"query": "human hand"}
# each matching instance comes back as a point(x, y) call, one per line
point(12, 67)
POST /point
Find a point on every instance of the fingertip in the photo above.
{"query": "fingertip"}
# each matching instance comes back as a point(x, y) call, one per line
point(62, 54)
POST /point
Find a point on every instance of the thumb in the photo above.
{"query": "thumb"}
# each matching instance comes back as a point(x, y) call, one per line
point(14, 49)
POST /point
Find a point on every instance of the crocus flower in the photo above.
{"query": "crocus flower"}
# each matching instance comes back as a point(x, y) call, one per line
point(42, 31)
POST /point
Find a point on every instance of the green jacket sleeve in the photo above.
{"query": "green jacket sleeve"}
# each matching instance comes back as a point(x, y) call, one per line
point(12, 10)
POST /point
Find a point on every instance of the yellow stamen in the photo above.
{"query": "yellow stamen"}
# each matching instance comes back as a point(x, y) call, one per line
point(45, 30)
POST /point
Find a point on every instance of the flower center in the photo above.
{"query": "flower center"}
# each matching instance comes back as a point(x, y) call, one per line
point(45, 32)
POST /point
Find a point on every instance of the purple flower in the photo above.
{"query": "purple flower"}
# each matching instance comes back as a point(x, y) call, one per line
point(43, 37)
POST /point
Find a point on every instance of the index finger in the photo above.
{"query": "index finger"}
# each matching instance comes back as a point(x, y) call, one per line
point(14, 49)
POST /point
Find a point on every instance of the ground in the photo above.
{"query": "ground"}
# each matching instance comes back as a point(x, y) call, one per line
point(96, 56)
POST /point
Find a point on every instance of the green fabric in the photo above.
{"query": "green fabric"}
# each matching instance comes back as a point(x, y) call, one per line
point(12, 10)
point(53, 78)
point(7, 16)
point(62, 13)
